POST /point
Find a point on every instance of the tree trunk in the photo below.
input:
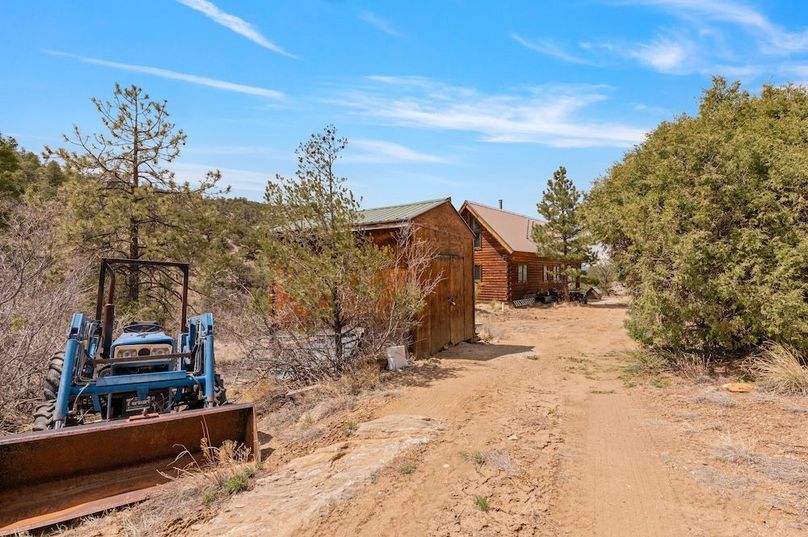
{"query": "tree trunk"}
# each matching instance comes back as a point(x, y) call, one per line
point(134, 225)
point(336, 311)
point(133, 283)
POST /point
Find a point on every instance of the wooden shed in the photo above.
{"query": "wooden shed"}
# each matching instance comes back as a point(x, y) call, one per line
point(506, 265)
point(449, 315)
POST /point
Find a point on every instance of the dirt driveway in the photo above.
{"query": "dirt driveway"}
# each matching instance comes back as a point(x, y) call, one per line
point(536, 434)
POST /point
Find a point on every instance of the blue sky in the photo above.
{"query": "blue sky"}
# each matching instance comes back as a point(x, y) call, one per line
point(469, 99)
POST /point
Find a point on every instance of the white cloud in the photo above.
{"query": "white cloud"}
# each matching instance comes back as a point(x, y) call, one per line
point(234, 23)
point(379, 151)
point(773, 38)
point(174, 75)
point(544, 115)
point(548, 48)
point(380, 23)
point(243, 182)
point(661, 54)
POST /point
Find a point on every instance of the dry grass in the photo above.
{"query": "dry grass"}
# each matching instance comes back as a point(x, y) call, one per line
point(785, 470)
point(477, 457)
point(734, 450)
point(501, 460)
point(710, 395)
point(222, 469)
point(779, 368)
point(194, 496)
point(647, 364)
point(489, 332)
point(361, 377)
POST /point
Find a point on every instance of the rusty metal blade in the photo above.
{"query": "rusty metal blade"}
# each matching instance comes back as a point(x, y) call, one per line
point(54, 476)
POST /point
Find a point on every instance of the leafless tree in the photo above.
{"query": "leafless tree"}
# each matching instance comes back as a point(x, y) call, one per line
point(36, 300)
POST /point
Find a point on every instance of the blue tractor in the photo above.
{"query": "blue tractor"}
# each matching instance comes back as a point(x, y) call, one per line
point(143, 371)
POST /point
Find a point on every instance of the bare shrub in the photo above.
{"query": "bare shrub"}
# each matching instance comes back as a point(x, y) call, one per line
point(501, 460)
point(734, 450)
point(785, 470)
point(490, 332)
point(36, 300)
point(712, 396)
point(279, 341)
point(780, 368)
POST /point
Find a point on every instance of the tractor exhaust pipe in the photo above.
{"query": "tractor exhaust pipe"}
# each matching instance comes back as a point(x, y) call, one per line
point(51, 477)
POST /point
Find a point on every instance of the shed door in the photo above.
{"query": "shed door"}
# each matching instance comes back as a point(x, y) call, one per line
point(447, 305)
point(455, 297)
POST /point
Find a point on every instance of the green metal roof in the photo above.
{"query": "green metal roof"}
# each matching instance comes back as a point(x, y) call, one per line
point(398, 213)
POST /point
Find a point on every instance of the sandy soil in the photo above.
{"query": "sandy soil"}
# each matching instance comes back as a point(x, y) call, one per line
point(568, 449)
point(537, 432)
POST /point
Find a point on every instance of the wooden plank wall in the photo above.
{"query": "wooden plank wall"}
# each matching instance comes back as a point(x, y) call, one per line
point(444, 321)
point(449, 315)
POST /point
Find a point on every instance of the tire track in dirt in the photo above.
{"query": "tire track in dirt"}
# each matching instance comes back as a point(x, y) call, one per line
point(496, 408)
point(618, 485)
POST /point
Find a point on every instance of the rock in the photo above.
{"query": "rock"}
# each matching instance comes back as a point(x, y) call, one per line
point(396, 357)
point(738, 387)
point(295, 495)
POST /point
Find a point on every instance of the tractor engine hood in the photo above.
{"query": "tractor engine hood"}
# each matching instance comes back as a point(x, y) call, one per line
point(147, 338)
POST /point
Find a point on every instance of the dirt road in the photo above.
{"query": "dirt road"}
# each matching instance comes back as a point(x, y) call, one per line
point(537, 436)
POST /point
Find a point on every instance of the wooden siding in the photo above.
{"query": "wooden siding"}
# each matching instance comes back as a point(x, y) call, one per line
point(493, 258)
point(500, 279)
point(449, 315)
point(535, 275)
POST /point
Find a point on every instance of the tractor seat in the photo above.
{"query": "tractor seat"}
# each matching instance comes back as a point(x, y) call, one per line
point(140, 327)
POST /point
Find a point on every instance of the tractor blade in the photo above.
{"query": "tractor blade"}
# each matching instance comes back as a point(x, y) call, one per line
point(53, 476)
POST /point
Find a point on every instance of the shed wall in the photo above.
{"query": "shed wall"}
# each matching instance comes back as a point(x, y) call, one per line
point(448, 317)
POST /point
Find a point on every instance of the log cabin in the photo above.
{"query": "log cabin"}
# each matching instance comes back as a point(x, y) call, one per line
point(506, 265)
point(448, 318)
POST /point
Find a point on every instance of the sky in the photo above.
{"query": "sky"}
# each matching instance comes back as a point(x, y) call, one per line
point(475, 100)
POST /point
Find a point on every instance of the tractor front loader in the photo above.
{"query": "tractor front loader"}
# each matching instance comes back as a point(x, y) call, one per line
point(119, 414)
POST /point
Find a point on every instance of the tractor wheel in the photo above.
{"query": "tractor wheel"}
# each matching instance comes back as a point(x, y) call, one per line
point(219, 391)
point(43, 415)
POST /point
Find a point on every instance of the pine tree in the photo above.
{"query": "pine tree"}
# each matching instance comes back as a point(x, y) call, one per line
point(562, 236)
point(124, 201)
point(327, 277)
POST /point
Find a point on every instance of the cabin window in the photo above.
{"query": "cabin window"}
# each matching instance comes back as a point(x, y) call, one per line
point(478, 273)
point(546, 273)
point(478, 236)
point(522, 273)
point(557, 273)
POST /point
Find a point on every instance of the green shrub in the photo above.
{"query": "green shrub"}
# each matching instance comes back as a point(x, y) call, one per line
point(477, 457)
point(707, 223)
point(407, 468)
point(349, 427)
point(482, 503)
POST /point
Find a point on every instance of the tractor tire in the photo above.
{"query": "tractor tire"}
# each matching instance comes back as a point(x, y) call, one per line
point(43, 415)
point(219, 391)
